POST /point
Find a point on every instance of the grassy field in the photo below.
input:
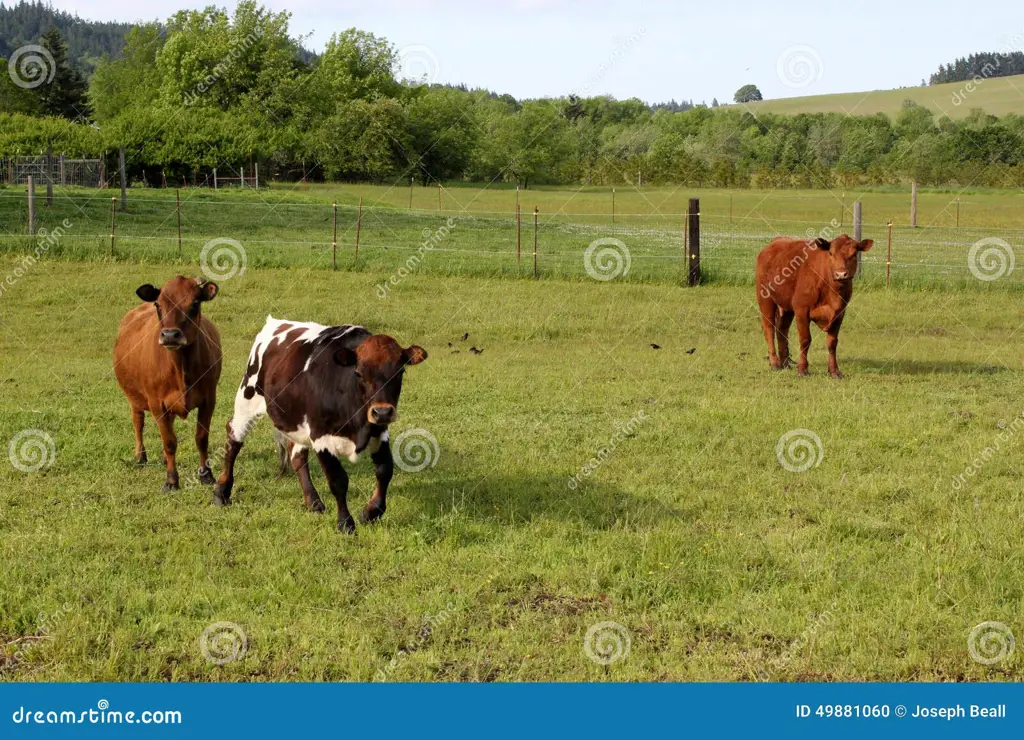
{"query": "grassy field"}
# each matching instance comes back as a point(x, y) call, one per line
point(715, 559)
point(475, 231)
point(996, 96)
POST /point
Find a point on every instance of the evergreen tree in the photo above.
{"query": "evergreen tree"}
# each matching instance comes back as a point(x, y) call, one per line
point(64, 94)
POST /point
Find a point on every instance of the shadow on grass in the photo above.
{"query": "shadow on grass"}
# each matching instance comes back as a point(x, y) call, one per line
point(916, 367)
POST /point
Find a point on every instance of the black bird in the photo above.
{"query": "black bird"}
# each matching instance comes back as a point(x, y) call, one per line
point(476, 351)
point(655, 346)
point(691, 350)
point(465, 336)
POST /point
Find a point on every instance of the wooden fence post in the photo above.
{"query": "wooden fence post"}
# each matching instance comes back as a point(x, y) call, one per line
point(214, 178)
point(888, 256)
point(334, 239)
point(257, 166)
point(958, 211)
point(613, 205)
point(438, 197)
point(519, 231)
point(410, 193)
point(124, 180)
point(31, 205)
point(536, 214)
point(49, 176)
point(113, 222)
point(359, 225)
point(858, 230)
point(913, 204)
point(177, 208)
point(693, 227)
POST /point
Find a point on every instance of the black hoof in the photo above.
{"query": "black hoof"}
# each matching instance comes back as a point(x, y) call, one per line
point(222, 495)
point(206, 477)
point(317, 507)
point(168, 487)
point(218, 501)
point(347, 527)
point(142, 459)
point(370, 514)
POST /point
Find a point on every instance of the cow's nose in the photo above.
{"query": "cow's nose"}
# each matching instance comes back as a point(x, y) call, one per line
point(171, 336)
point(383, 414)
point(842, 275)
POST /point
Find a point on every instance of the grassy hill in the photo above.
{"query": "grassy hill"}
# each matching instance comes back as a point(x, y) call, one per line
point(997, 96)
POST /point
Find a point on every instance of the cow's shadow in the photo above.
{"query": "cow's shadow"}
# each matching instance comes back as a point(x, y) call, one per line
point(918, 367)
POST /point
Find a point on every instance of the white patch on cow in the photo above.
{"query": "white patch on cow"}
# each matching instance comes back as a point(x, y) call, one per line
point(340, 447)
point(247, 412)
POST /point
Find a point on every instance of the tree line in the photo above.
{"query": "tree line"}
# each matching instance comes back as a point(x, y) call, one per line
point(209, 88)
point(980, 66)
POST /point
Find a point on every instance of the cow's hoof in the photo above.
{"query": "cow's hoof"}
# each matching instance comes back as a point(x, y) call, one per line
point(776, 364)
point(347, 527)
point(222, 495)
point(168, 487)
point(370, 514)
point(206, 477)
point(317, 507)
point(142, 459)
point(219, 501)
point(802, 372)
point(837, 375)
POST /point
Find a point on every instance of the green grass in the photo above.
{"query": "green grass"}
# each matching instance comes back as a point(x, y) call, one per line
point(476, 231)
point(997, 96)
point(719, 563)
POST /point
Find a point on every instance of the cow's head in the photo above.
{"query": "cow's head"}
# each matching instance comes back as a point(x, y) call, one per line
point(842, 255)
point(379, 363)
point(178, 307)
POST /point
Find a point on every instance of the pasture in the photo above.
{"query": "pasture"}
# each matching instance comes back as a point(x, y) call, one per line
point(718, 562)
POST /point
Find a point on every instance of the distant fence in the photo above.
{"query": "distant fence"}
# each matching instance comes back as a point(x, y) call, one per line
point(647, 247)
point(58, 169)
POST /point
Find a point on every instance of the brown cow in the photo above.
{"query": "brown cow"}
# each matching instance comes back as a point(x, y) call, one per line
point(810, 281)
point(167, 361)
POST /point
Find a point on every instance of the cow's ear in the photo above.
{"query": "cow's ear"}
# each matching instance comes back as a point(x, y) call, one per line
point(822, 243)
point(148, 293)
point(865, 245)
point(345, 357)
point(414, 355)
point(207, 290)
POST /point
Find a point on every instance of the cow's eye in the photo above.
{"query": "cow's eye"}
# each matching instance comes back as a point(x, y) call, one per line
point(358, 374)
point(194, 308)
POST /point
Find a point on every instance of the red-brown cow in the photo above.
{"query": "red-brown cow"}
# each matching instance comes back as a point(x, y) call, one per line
point(167, 360)
point(810, 281)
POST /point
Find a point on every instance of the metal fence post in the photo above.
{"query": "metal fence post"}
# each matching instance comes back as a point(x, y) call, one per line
point(536, 214)
point(31, 206)
point(334, 239)
point(359, 224)
point(888, 256)
point(913, 204)
point(693, 227)
point(113, 222)
point(857, 230)
point(177, 208)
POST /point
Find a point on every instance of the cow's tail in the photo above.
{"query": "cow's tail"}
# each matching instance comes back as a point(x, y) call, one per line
point(283, 448)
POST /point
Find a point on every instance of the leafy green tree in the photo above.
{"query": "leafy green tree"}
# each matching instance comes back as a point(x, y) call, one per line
point(747, 94)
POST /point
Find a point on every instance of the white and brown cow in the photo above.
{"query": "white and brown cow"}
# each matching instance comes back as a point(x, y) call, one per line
point(332, 389)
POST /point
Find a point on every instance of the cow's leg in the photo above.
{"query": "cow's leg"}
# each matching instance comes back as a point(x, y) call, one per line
point(803, 327)
point(768, 312)
point(165, 422)
point(300, 464)
point(203, 442)
point(338, 480)
point(138, 422)
point(384, 469)
point(832, 342)
point(782, 335)
point(247, 411)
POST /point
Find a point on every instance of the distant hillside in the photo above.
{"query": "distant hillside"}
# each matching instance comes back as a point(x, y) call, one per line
point(25, 22)
point(983, 65)
point(996, 96)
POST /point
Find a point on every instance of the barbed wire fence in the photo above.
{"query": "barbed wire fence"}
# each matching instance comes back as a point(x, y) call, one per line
point(642, 247)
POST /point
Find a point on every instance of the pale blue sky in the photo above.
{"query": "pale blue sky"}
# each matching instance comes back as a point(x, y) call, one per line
point(650, 49)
